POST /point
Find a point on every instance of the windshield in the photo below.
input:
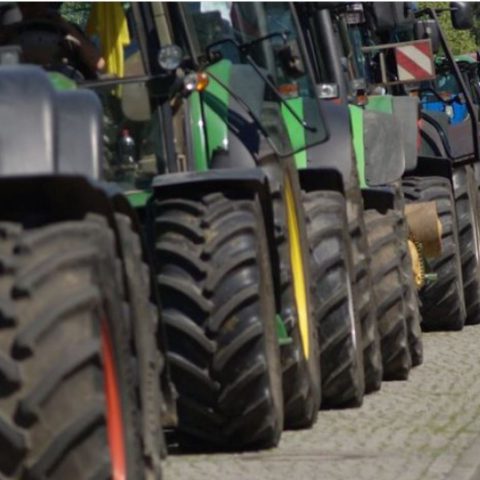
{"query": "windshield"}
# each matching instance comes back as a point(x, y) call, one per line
point(269, 75)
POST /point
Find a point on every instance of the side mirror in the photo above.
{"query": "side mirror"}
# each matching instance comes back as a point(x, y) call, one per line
point(461, 15)
point(423, 29)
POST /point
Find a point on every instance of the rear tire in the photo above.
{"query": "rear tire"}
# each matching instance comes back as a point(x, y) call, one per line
point(65, 356)
point(388, 284)
point(443, 304)
point(365, 302)
point(301, 373)
point(339, 332)
point(217, 297)
point(411, 300)
point(150, 359)
point(470, 265)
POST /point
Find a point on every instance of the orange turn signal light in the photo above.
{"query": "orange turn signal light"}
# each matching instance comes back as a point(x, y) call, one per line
point(202, 81)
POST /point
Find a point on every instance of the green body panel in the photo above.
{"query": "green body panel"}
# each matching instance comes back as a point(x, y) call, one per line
point(61, 82)
point(282, 335)
point(204, 119)
point(356, 120)
point(138, 199)
point(296, 132)
point(216, 121)
point(380, 103)
point(198, 133)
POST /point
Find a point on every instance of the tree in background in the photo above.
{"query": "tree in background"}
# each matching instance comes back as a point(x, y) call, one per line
point(460, 41)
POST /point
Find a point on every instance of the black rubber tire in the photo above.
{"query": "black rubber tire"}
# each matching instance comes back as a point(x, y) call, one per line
point(339, 332)
point(388, 284)
point(214, 277)
point(60, 287)
point(442, 302)
point(150, 359)
point(365, 301)
point(413, 317)
point(470, 266)
point(301, 375)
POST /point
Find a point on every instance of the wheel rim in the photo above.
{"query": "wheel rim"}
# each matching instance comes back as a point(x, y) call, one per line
point(298, 271)
point(114, 408)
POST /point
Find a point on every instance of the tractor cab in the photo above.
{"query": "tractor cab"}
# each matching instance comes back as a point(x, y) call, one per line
point(256, 98)
point(393, 49)
point(96, 46)
point(260, 98)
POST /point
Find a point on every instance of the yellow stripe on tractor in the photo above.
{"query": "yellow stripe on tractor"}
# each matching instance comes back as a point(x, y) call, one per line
point(298, 272)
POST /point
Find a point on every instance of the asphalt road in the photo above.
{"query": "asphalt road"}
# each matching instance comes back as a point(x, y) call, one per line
point(427, 428)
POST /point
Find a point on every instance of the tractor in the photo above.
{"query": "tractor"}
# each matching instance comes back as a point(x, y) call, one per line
point(225, 254)
point(84, 390)
point(261, 91)
point(370, 36)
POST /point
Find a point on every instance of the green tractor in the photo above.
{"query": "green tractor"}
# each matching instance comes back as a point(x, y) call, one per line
point(370, 36)
point(226, 255)
point(445, 172)
point(84, 390)
point(261, 92)
point(372, 169)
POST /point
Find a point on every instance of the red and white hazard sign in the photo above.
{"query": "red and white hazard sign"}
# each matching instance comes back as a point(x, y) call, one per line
point(415, 61)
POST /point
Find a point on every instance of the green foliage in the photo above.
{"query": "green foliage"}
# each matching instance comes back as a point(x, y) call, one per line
point(460, 41)
point(76, 12)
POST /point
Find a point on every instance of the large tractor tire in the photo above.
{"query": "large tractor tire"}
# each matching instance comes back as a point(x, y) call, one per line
point(411, 299)
point(214, 276)
point(467, 244)
point(68, 387)
point(300, 358)
point(387, 280)
point(149, 354)
point(365, 301)
point(339, 332)
point(442, 302)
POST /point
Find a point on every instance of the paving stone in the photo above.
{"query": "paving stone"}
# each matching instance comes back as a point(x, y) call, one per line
point(427, 428)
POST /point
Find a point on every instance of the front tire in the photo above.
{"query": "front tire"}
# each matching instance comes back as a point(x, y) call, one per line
point(443, 303)
point(339, 332)
point(67, 400)
point(214, 276)
point(388, 284)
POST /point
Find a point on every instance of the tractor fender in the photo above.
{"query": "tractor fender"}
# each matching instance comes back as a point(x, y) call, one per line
point(405, 109)
point(453, 141)
point(242, 182)
point(432, 138)
point(337, 152)
point(380, 199)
